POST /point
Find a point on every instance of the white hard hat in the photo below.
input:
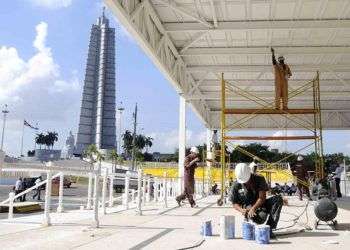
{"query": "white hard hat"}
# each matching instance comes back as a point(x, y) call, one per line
point(242, 172)
point(194, 150)
point(300, 158)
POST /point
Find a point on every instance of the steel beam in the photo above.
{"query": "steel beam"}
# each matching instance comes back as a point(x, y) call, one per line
point(265, 50)
point(259, 25)
point(268, 68)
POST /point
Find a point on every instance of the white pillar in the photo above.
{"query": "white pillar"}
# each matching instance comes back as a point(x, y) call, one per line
point(96, 222)
point(182, 142)
point(47, 220)
point(126, 189)
point(139, 191)
point(148, 197)
point(144, 185)
point(165, 190)
point(104, 191)
point(60, 195)
point(89, 200)
point(156, 189)
point(111, 183)
point(210, 153)
point(11, 200)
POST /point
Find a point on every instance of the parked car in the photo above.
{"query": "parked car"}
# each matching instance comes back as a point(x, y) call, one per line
point(66, 181)
point(119, 181)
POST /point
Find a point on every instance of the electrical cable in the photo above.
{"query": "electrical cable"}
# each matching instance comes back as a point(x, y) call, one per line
point(297, 217)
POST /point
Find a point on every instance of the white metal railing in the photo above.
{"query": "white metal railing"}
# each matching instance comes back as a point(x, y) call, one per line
point(157, 190)
point(47, 182)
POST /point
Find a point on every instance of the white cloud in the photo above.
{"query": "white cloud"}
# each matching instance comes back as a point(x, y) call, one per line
point(167, 142)
point(35, 90)
point(15, 73)
point(52, 4)
point(280, 145)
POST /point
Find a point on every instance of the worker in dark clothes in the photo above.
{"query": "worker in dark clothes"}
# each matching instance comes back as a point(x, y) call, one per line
point(282, 74)
point(299, 171)
point(248, 196)
point(190, 165)
point(337, 177)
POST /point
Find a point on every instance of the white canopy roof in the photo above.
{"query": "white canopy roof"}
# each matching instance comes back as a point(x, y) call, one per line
point(193, 41)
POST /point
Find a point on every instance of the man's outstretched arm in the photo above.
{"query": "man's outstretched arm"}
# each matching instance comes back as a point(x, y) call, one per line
point(259, 202)
point(274, 62)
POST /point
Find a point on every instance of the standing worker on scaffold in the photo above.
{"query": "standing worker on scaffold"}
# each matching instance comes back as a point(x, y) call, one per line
point(190, 165)
point(282, 74)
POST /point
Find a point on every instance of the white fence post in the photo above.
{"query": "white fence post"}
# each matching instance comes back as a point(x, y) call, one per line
point(104, 191)
point(89, 200)
point(126, 190)
point(111, 183)
point(156, 189)
point(165, 190)
point(133, 195)
point(11, 200)
point(60, 194)
point(139, 192)
point(96, 222)
point(148, 197)
point(47, 220)
point(144, 185)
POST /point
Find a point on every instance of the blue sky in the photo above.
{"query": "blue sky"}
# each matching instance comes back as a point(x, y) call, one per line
point(43, 49)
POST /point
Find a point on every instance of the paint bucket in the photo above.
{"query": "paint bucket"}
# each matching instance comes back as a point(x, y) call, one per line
point(227, 227)
point(262, 234)
point(206, 229)
point(247, 230)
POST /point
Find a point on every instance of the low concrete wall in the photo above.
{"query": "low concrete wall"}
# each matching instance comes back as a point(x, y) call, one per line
point(45, 155)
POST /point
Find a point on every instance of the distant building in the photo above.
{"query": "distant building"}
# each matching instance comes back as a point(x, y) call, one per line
point(97, 115)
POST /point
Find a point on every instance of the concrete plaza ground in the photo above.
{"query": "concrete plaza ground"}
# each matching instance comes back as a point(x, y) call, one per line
point(159, 228)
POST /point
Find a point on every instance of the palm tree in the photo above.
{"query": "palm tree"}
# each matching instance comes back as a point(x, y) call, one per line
point(40, 139)
point(148, 142)
point(93, 154)
point(114, 157)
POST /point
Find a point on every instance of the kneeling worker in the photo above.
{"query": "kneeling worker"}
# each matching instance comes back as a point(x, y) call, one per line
point(248, 196)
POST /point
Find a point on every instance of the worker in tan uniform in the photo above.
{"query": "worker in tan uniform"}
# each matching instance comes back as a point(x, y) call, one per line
point(282, 74)
point(190, 165)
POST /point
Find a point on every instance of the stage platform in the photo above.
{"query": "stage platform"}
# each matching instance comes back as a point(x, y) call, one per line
point(159, 228)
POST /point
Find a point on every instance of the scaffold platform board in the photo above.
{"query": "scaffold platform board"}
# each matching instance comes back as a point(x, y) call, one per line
point(269, 111)
point(267, 138)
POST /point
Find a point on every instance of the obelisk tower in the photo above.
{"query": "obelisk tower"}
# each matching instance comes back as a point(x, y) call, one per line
point(97, 115)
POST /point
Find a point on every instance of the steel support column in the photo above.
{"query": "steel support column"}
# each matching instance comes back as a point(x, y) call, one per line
point(182, 142)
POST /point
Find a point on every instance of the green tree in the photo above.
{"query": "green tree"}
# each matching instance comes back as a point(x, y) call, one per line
point(142, 142)
point(113, 156)
point(93, 154)
point(40, 139)
point(127, 139)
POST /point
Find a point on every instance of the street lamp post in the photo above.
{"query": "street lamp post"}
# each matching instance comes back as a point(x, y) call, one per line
point(120, 110)
point(5, 112)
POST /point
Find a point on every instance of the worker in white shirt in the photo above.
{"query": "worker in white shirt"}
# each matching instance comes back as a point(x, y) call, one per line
point(18, 188)
point(254, 165)
point(337, 175)
point(38, 189)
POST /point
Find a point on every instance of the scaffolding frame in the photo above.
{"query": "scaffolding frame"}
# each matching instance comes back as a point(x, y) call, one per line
point(268, 108)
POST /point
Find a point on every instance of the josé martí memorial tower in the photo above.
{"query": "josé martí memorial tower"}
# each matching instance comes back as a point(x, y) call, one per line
point(97, 115)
